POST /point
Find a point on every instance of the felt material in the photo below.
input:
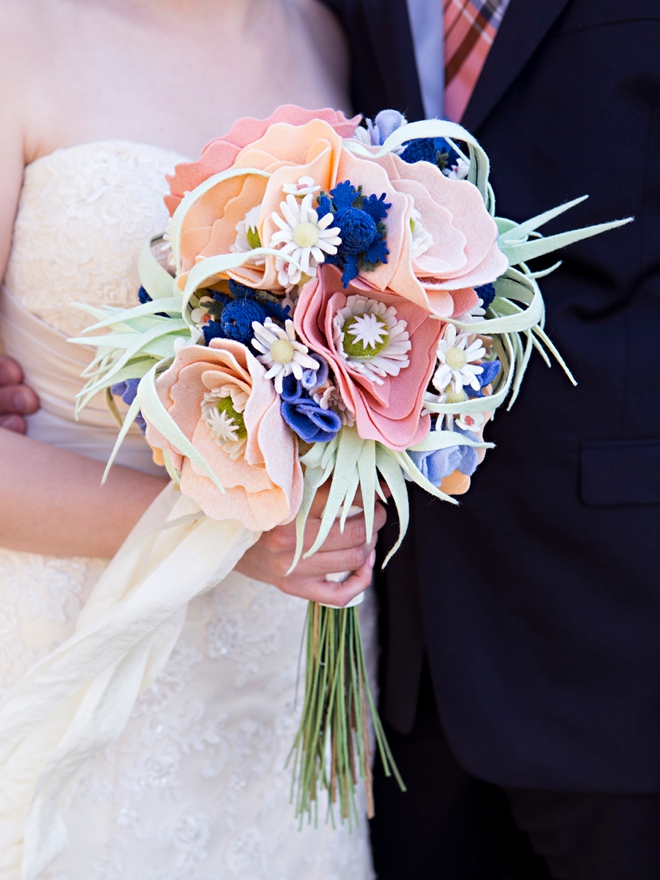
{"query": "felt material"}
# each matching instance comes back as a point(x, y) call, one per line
point(387, 412)
point(263, 487)
point(220, 154)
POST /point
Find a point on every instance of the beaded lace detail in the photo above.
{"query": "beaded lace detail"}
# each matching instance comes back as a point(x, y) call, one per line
point(196, 787)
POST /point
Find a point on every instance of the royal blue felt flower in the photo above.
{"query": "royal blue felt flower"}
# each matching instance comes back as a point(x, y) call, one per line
point(127, 390)
point(487, 294)
point(437, 465)
point(234, 313)
point(437, 151)
point(361, 222)
point(489, 372)
point(304, 416)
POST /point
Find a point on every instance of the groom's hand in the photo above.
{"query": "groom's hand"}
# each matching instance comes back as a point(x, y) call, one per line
point(16, 399)
point(270, 558)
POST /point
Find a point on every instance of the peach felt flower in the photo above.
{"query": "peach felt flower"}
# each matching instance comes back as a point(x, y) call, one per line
point(239, 213)
point(441, 240)
point(219, 398)
point(381, 349)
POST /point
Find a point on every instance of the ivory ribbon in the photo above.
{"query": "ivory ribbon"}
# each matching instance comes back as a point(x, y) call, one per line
point(78, 699)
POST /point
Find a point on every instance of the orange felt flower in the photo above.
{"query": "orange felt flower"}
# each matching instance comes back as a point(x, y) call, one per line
point(218, 397)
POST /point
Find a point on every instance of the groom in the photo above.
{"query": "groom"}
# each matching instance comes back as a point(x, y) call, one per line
point(521, 631)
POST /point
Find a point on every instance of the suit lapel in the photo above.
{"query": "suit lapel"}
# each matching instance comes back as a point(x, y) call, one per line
point(391, 36)
point(524, 26)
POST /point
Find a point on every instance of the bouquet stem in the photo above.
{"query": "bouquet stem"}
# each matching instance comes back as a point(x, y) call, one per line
point(332, 748)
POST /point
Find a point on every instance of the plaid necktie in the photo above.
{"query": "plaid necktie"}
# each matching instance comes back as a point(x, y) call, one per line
point(470, 27)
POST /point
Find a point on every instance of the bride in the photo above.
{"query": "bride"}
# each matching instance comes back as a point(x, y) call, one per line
point(100, 99)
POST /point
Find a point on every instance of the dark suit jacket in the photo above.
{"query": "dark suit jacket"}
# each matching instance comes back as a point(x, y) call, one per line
point(538, 600)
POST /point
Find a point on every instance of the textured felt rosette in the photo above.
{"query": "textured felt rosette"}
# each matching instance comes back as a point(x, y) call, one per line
point(292, 144)
point(247, 445)
point(388, 408)
point(442, 241)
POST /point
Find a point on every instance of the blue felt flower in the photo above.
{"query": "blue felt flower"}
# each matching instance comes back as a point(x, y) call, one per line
point(437, 465)
point(489, 372)
point(144, 297)
point(127, 390)
point(303, 414)
point(487, 294)
point(236, 311)
point(437, 151)
point(361, 223)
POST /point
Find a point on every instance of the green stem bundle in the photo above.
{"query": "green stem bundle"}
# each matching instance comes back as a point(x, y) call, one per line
point(332, 750)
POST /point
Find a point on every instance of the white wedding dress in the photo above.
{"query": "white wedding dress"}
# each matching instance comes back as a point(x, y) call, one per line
point(196, 786)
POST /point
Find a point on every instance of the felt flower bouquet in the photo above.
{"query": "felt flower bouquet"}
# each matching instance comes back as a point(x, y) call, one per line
point(331, 303)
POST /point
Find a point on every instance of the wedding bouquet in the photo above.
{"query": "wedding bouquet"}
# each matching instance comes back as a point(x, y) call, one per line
point(331, 303)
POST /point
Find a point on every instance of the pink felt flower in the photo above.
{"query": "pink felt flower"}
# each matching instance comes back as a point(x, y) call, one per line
point(441, 239)
point(236, 214)
point(220, 400)
point(381, 348)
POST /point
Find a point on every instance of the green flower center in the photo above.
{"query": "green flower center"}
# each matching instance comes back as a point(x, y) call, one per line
point(253, 239)
point(365, 336)
point(226, 406)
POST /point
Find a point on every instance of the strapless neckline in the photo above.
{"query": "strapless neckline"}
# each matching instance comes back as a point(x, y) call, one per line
point(105, 143)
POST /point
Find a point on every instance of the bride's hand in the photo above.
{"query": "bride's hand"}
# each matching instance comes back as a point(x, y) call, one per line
point(16, 399)
point(270, 558)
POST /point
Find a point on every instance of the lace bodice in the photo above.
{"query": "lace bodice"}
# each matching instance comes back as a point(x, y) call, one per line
point(77, 235)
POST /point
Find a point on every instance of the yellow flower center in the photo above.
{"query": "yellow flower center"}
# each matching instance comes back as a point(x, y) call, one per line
point(282, 351)
point(306, 235)
point(455, 396)
point(456, 358)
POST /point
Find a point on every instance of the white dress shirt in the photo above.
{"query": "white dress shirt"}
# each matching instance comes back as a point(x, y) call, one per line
point(427, 31)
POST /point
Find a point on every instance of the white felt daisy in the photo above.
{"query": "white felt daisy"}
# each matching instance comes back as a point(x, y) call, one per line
point(247, 237)
point(370, 337)
point(304, 187)
point(456, 356)
point(303, 237)
point(328, 397)
point(280, 351)
point(470, 421)
point(422, 239)
point(222, 411)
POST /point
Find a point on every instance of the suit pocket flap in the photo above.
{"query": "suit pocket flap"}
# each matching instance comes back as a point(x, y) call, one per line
point(619, 472)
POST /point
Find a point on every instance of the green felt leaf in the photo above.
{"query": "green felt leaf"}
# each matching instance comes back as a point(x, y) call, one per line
point(519, 252)
point(520, 231)
point(156, 280)
point(343, 482)
point(390, 470)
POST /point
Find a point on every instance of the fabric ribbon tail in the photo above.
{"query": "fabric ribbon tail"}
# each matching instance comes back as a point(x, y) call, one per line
point(79, 698)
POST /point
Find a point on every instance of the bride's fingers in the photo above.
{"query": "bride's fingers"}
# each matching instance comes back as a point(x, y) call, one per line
point(353, 535)
point(13, 423)
point(10, 372)
point(329, 593)
point(17, 400)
